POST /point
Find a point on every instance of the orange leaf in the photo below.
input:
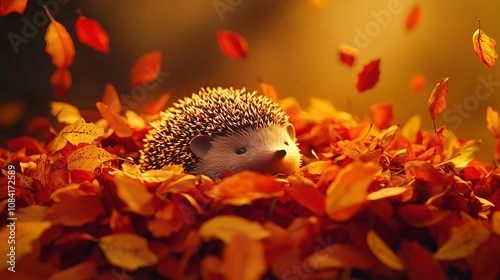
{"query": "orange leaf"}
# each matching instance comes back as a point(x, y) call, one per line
point(340, 256)
point(369, 76)
point(10, 6)
point(347, 193)
point(225, 227)
point(83, 270)
point(90, 33)
point(146, 68)
point(158, 105)
point(419, 262)
point(127, 250)
point(413, 18)
point(484, 47)
point(437, 100)
point(418, 82)
point(268, 90)
point(493, 122)
point(232, 44)
point(420, 215)
point(74, 209)
point(304, 192)
point(59, 44)
point(61, 81)
point(244, 258)
point(111, 99)
point(382, 114)
point(116, 122)
point(425, 171)
point(382, 251)
point(135, 195)
point(348, 55)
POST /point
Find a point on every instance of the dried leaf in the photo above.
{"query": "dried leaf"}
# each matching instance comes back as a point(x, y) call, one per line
point(116, 122)
point(484, 47)
point(61, 81)
point(232, 44)
point(414, 17)
point(382, 114)
point(127, 251)
point(59, 44)
point(11, 6)
point(244, 258)
point(135, 195)
point(347, 193)
point(88, 158)
point(74, 209)
point(368, 77)
point(383, 252)
point(225, 227)
point(91, 33)
point(348, 55)
point(437, 100)
point(77, 133)
point(146, 68)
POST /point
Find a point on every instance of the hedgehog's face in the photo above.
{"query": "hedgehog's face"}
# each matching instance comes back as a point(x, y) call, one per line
point(267, 150)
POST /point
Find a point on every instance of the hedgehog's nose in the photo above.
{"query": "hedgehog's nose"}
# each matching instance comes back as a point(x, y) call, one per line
point(280, 153)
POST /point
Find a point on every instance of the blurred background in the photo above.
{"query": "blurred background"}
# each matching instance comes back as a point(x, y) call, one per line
point(293, 45)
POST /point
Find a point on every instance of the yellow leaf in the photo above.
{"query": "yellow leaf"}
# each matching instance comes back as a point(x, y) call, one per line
point(134, 120)
point(347, 193)
point(382, 251)
point(463, 240)
point(493, 122)
point(116, 122)
point(135, 195)
point(484, 47)
point(111, 99)
point(411, 128)
point(495, 220)
point(65, 112)
point(386, 192)
point(244, 258)
point(88, 158)
point(59, 44)
point(127, 251)
point(77, 133)
point(224, 227)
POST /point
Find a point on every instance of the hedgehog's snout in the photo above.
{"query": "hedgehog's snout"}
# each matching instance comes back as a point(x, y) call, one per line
point(280, 153)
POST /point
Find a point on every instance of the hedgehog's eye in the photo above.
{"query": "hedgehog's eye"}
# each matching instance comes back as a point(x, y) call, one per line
point(286, 143)
point(240, 151)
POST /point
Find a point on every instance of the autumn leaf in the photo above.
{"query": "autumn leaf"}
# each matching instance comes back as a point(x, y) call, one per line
point(11, 6)
point(244, 258)
point(304, 192)
point(77, 133)
point(64, 112)
point(493, 122)
point(345, 196)
point(157, 106)
point(225, 227)
point(382, 251)
point(61, 81)
point(484, 47)
point(419, 262)
point(232, 44)
point(74, 209)
point(348, 55)
point(135, 195)
point(268, 90)
point(91, 33)
point(495, 217)
point(88, 158)
point(116, 122)
point(382, 114)
point(425, 171)
point(59, 44)
point(110, 98)
point(417, 82)
point(414, 17)
point(146, 68)
point(420, 215)
point(386, 192)
point(127, 250)
point(437, 100)
point(339, 256)
point(368, 77)
point(83, 270)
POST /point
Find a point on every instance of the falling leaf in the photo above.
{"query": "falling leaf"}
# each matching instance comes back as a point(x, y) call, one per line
point(232, 44)
point(418, 82)
point(111, 99)
point(91, 33)
point(463, 241)
point(127, 250)
point(74, 209)
point(88, 158)
point(225, 227)
point(135, 195)
point(157, 106)
point(116, 122)
point(268, 90)
point(11, 112)
point(383, 252)
point(146, 68)
point(244, 258)
point(59, 44)
point(493, 122)
point(65, 112)
point(77, 133)
point(10, 6)
point(317, 5)
point(347, 193)
point(348, 55)
point(437, 100)
point(61, 81)
point(369, 76)
point(414, 17)
point(484, 47)
point(382, 114)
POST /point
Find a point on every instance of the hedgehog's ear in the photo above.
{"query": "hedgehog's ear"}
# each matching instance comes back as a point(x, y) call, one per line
point(200, 145)
point(291, 130)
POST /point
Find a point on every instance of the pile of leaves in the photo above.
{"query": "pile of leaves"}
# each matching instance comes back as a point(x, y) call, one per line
point(372, 200)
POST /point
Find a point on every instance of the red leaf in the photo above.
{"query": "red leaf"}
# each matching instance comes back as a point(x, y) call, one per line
point(232, 44)
point(146, 68)
point(419, 263)
point(413, 18)
point(10, 6)
point(368, 77)
point(90, 33)
point(304, 192)
point(61, 81)
point(74, 209)
point(420, 215)
point(418, 82)
point(348, 55)
point(157, 106)
point(382, 114)
point(437, 100)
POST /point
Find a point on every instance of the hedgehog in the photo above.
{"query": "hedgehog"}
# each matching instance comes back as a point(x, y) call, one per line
point(222, 130)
